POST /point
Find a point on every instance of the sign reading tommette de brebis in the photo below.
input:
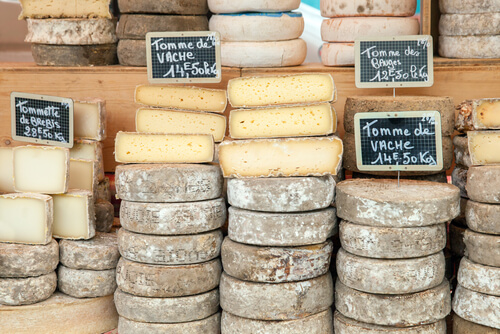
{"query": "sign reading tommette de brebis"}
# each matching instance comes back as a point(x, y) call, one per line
point(183, 57)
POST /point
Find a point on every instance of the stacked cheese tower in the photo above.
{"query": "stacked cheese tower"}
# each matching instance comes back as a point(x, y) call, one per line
point(259, 33)
point(391, 266)
point(138, 17)
point(477, 299)
point(80, 33)
point(171, 212)
point(349, 20)
point(276, 257)
point(469, 29)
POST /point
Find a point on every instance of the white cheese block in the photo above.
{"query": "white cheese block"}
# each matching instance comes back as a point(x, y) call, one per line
point(26, 218)
point(486, 46)
point(468, 6)
point(482, 248)
point(89, 150)
point(83, 174)
point(17, 260)
point(98, 253)
point(482, 217)
point(477, 307)
point(104, 215)
point(483, 147)
point(480, 114)
point(469, 24)
point(258, 27)
point(483, 183)
point(63, 8)
point(41, 169)
point(25, 291)
point(456, 238)
point(182, 7)
point(282, 301)
point(308, 156)
point(462, 326)
point(74, 215)
point(462, 156)
point(204, 326)
point(336, 8)
point(337, 54)
point(228, 6)
point(89, 119)
point(479, 278)
point(6, 170)
point(82, 283)
point(459, 179)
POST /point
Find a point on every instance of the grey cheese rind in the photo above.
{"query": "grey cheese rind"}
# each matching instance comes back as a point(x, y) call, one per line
point(103, 191)
point(462, 156)
point(468, 120)
point(104, 216)
point(469, 6)
point(483, 184)
point(136, 26)
point(74, 55)
point(18, 260)
point(482, 248)
point(439, 177)
point(98, 253)
point(456, 237)
point(204, 326)
point(469, 24)
point(462, 326)
point(477, 307)
point(29, 290)
point(82, 283)
point(459, 179)
point(469, 46)
point(178, 7)
point(132, 52)
point(479, 278)
point(483, 217)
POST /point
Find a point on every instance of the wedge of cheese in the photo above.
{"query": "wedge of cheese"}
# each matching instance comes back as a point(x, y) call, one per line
point(89, 118)
point(484, 147)
point(65, 8)
point(74, 216)
point(478, 115)
point(6, 170)
point(89, 150)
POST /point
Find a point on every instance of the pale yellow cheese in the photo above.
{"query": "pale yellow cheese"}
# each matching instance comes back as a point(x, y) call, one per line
point(486, 114)
point(89, 119)
point(484, 147)
point(65, 8)
point(281, 157)
point(180, 122)
point(311, 120)
point(183, 98)
point(6, 170)
point(83, 174)
point(281, 90)
point(74, 215)
point(89, 150)
point(134, 147)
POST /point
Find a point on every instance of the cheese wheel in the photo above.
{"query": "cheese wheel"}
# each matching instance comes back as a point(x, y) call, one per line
point(457, 245)
point(439, 177)
point(132, 52)
point(477, 307)
point(74, 55)
point(469, 24)
point(178, 7)
point(82, 283)
point(479, 278)
point(459, 179)
point(228, 6)
point(336, 8)
point(462, 156)
point(483, 184)
point(482, 248)
point(204, 326)
point(29, 290)
point(486, 46)
point(104, 216)
point(98, 253)
point(482, 217)
point(337, 54)
point(18, 260)
point(462, 326)
point(136, 26)
point(103, 191)
point(468, 6)
point(62, 8)
point(477, 114)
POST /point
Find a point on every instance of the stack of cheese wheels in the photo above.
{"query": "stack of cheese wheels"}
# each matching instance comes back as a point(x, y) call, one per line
point(281, 187)
point(171, 212)
point(259, 33)
point(469, 29)
point(348, 20)
point(138, 17)
point(477, 298)
point(391, 267)
point(80, 33)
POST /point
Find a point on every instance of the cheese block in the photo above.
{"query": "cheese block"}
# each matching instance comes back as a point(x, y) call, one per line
point(483, 184)
point(337, 54)
point(335, 8)
point(480, 114)
point(98, 253)
point(482, 217)
point(6, 170)
point(83, 174)
point(228, 6)
point(181, 7)
point(469, 46)
point(318, 323)
point(406, 310)
point(103, 191)
point(469, 24)
point(348, 29)
point(283, 301)
point(392, 242)
point(439, 177)
point(163, 148)
point(29, 290)
point(173, 218)
point(482, 248)
point(18, 260)
point(62, 8)
point(264, 54)
point(310, 120)
point(132, 52)
point(41, 169)
point(168, 182)
point(281, 229)
point(468, 6)
point(89, 120)
point(284, 194)
point(82, 283)
point(170, 250)
point(483, 147)
point(309, 156)
point(459, 179)
point(462, 326)
point(456, 237)
point(462, 156)
point(26, 218)
point(104, 215)
point(74, 55)
point(207, 325)
point(167, 310)
point(477, 307)
point(74, 215)
point(167, 281)
point(180, 122)
point(383, 203)
point(89, 150)
point(182, 97)
point(479, 278)
point(136, 26)
point(258, 27)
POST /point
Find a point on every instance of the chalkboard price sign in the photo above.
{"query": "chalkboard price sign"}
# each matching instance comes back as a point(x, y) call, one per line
point(402, 61)
point(398, 141)
point(180, 57)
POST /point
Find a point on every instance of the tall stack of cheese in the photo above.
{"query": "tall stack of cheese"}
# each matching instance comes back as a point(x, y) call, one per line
point(348, 20)
point(171, 212)
point(477, 298)
point(469, 29)
point(281, 187)
point(138, 17)
point(259, 33)
point(391, 268)
point(79, 33)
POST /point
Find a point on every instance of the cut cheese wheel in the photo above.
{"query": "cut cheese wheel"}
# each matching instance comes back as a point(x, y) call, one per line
point(180, 7)
point(483, 147)
point(462, 326)
point(62, 8)
point(82, 283)
point(384, 203)
point(98, 253)
point(462, 156)
point(83, 174)
point(18, 260)
point(103, 191)
point(132, 52)
point(248, 27)
point(477, 307)
point(74, 215)
point(459, 179)
point(457, 245)
point(478, 114)
point(482, 217)
point(479, 278)
point(264, 54)
point(483, 184)
point(469, 46)
point(167, 310)
point(228, 6)
point(337, 54)
point(392, 242)
point(348, 29)
point(167, 281)
point(84, 149)
point(6, 170)
point(74, 55)
point(25, 291)
point(482, 248)
point(136, 26)
point(281, 229)
point(286, 194)
point(335, 8)
point(104, 215)
point(469, 24)
point(468, 6)
point(283, 301)
point(207, 325)
point(407, 310)
point(89, 118)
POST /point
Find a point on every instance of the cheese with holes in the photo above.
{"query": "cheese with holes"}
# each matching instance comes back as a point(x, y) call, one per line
point(180, 7)
point(456, 237)
point(17, 260)
point(469, 24)
point(469, 46)
point(74, 215)
point(132, 52)
point(203, 326)
point(477, 307)
point(104, 215)
point(483, 184)
point(462, 156)
point(180, 122)
point(483, 147)
point(462, 326)
point(469, 6)
point(81, 283)
point(459, 179)
point(83, 174)
point(136, 26)
point(89, 119)
point(6, 170)
point(63, 8)
point(89, 150)
point(337, 54)
point(74, 55)
point(482, 248)
point(98, 253)
point(228, 6)
point(336, 8)
point(479, 278)
point(25, 291)
point(482, 217)
point(480, 114)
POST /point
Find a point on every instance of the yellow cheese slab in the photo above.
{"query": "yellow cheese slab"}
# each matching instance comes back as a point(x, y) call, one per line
point(6, 170)
point(65, 8)
point(74, 216)
point(484, 147)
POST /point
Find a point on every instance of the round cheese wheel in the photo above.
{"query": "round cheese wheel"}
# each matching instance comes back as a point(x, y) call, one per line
point(468, 6)
point(479, 278)
point(457, 245)
point(480, 47)
point(336, 8)
point(337, 54)
point(19, 260)
point(483, 184)
point(98, 253)
point(483, 217)
point(104, 216)
point(177, 7)
point(477, 307)
point(462, 326)
point(74, 55)
point(228, 6)
point(462, 156)
point(204, 326)
point(29, 290)
point(132, 52)
point(82, 283)
point(482, 248)
point(136, 26)
point(459, 179)
point(439, 177)
point(469, 24)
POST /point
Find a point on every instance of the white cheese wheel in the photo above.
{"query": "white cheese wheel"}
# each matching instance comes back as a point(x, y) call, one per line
point(229, 6)
point(204, 326)
point(479, 278)
point(482, 248)
point(477, 307)
point(18, 260)
point(341, 8)
point(462, 326)
point(337, 54)
point(469, 24)
point(25, 291)
point(82, 283)
point(98, 253)
point(483, 184)
point(468, 6)
point(486, 46)
point(483, 217)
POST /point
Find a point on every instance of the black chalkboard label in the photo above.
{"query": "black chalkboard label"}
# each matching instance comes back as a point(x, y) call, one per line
point(402, 61)
point(42, 119)
point(398, 141)
point(180, 57)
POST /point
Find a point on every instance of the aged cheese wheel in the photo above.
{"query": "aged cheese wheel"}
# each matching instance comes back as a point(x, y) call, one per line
point(337, 54)
point(477, 307)
point(149, 280)
point(25, 291)
point(382, 203)
point(229, 6)
point(336, 8)
point(104, 216)
point(132, 52)
point(167, 310)
point(103, 191)
point(462, 156)
point(18, 260)
point(459, 179)
point(456, 237)
point(479, 278)
point(482, 248)
point(264, 54)
point(136, 26)
point(74, 55)
point(469, 46)
point(469, 6)
point(392, 242)
point(258, 27)
point(204, 326)
point(167, 183)
point(406, 310)
point(98, 253)
point(283, 301)
point(178, 7)
point(439, 177)
point(482, 217)
point(82, 283)
point(281, 194)
point(281, 229)
point(469, 24)
point(483, 184)
point(462, 326)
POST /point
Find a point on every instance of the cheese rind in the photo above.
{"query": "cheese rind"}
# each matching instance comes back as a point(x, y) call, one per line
point(207, 325)
point(462, 156)
point(483, 184)
point(136, 26)
point(74, 55)
point(477, 307)
point(468, 6)
point(6, 170)
point(335, 8)
point(469, 24)
point(483, 147)
point(98, 253)
point(456, 237)
point(103, 191)
point(459, 179)
point(177, 7)
point(482, 248)
point(25, 291)
point(480, 114)
point(337, 54)
point(132, 52)
point(89, 119)
point(486, 46)
point(62, 8)
point(81, 283)
point(74, 215)
point(17, 260)
point(228, 6)
point(479, 278)
point(482, 217)
point(462, 326)
point(104, 215)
